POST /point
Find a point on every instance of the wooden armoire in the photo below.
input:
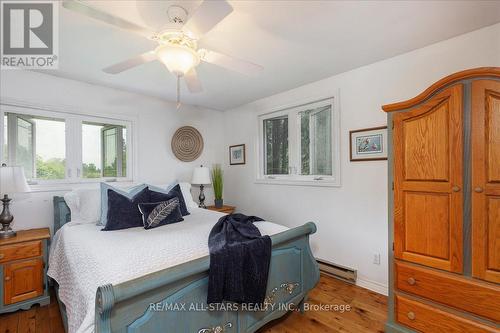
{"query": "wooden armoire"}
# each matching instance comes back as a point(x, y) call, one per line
point(444, 206)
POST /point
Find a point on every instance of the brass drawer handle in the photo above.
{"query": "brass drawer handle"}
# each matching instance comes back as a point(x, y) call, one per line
point(478, 189)
point(2, 255)
point(456, 188)
point(7, 278)
point(411, 281)
point(411, 315)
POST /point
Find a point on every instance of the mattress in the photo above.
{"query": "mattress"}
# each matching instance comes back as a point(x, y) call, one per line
point(82, 257)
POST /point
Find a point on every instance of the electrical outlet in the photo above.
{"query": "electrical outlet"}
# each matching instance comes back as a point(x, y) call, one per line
point(376, 258)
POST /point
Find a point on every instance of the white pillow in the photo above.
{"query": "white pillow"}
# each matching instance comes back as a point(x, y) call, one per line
point(186, 193)
point(84, 204)
point(73, 203)
point(89, 204)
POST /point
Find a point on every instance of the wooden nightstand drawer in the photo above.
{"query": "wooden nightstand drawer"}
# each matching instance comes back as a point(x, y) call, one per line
point(20, 251)
point(428, 319)
point(482, 299)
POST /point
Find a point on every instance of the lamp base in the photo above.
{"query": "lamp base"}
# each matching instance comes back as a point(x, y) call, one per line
point(6, 219)
point(7, 233)
point(201, 198)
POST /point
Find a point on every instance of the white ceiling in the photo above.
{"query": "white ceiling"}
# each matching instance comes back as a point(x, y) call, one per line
point(297, 42)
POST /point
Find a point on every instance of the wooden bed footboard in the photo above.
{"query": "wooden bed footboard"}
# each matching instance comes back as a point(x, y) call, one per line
point(174, 300)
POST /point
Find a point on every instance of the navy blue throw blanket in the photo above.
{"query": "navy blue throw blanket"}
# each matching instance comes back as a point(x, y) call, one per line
point(239, 260)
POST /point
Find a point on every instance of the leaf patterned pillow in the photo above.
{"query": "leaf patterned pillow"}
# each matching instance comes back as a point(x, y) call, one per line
point(156, 214)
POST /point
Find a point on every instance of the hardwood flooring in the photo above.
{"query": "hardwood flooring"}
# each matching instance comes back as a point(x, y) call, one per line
point(367, 314)
point(368, 311)
point(38, 319)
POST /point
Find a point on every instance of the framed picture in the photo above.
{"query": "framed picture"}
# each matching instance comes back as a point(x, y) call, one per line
point(237, 154)
point(368, 144)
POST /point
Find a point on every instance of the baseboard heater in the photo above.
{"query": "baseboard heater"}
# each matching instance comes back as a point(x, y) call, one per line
point(341, 272)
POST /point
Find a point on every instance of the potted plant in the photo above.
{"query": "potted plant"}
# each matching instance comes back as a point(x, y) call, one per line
point(217, 183)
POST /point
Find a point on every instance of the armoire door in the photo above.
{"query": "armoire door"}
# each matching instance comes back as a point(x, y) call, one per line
point(486, 180)
point(428, 172)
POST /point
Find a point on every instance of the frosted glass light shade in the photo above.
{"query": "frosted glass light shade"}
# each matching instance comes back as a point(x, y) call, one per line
point(12, 180)
point(201, 176)
point(178, 59)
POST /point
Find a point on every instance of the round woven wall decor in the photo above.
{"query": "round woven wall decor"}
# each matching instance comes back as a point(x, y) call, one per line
point(187, 143)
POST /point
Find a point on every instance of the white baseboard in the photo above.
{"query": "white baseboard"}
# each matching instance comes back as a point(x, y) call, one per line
point(373, 286)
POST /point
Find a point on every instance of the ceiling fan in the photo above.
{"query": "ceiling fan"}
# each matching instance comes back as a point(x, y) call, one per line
point(178, 44)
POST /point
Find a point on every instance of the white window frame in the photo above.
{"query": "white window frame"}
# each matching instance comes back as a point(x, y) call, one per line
point(12, 130)
point(294, 133)
point(73, 141)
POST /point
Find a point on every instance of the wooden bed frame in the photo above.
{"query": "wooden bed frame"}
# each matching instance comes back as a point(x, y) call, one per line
point(153, 302)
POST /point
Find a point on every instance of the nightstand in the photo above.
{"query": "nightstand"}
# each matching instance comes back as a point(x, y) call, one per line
point(224, 209)
point(23, 268)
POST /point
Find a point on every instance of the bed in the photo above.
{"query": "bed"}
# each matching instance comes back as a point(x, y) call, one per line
point(137, 280)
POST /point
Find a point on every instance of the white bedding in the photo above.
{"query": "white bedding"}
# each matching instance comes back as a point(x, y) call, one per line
point(82, 257)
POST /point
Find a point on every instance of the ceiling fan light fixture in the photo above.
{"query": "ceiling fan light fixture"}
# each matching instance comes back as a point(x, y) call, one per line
point(178, 59)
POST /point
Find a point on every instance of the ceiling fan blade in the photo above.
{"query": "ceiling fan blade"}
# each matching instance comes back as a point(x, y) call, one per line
point(192, 81)
point(100, 15)
point(206, 16)
point(234, 64)
point(132, 62)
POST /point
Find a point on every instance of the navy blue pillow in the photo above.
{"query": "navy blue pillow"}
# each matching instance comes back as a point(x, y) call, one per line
point(156, 214)
point(174, 192)
point(123, 213)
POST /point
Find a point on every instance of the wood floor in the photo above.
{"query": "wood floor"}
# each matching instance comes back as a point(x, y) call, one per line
point(39, 319)
point(367, 314)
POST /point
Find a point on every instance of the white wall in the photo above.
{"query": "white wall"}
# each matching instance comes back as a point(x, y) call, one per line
point(352, 220)
point(157, 121)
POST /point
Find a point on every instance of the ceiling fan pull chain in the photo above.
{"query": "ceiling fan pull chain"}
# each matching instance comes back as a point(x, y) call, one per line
point(178, 92)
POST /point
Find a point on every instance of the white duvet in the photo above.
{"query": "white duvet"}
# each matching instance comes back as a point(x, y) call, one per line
point(82, 257)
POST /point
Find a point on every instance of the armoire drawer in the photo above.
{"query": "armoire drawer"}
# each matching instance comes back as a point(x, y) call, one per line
point(428, 319)
point(476, 297)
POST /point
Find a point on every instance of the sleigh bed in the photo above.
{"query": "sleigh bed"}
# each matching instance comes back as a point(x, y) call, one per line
point(173, 299)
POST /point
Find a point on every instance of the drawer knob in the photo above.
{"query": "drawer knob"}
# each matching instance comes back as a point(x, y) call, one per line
point(7, 278)
point(411, 315)
point(478, 189)
point(456, 188)
point(2, 255)
point(411, 281)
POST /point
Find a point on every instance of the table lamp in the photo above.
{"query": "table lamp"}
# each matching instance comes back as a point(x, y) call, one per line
point(12, 180)
point(201, 176)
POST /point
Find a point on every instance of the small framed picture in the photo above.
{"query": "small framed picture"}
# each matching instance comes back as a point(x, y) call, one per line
point(237, 154)
point(368, 144)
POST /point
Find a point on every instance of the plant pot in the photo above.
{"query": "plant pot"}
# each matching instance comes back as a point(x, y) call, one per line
point(219, 203)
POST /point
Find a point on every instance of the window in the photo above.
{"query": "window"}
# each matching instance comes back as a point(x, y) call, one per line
point(316, 141)
point(300, 145)
point(37, 144)
point(61, 147)
point(104, 150)
point(5, 139)
point(276, 138)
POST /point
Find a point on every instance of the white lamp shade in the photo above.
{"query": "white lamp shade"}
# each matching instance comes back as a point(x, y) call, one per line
point(201, 176)
point(12, 180)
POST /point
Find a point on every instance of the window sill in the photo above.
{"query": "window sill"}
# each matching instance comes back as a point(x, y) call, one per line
point(69, 186)
point(297, 182)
